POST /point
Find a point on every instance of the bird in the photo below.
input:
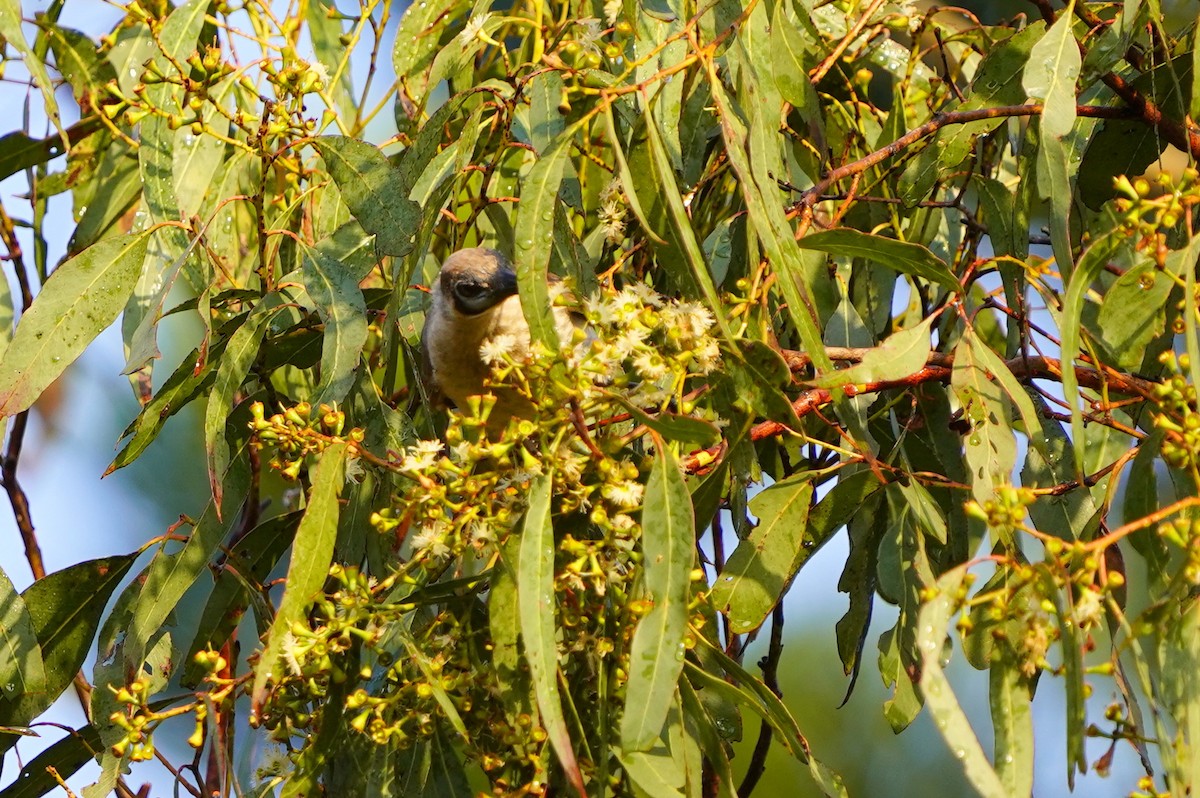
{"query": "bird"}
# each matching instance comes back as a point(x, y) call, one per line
point(474, 300)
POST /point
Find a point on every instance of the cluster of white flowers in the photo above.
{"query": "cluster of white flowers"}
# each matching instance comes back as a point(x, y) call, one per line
point(431, 539)
point(421, 456)
point(645, 345)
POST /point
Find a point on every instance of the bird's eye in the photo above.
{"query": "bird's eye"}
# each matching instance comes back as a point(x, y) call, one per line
point(470, 291)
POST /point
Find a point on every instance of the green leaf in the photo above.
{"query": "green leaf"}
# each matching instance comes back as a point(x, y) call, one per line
point(122, 185)
point(156, 156)
point(1071, 644)
point(656, 653)
point(65, 609)
point(545, 92)
point(901, 354)
point(22, 671)
point(628, 183)
point(535, 602)
point(948, 715)
point(991, 451)
point(418, 40)
point(902, 256)
point(1093, 260)
point(1051, 75)
point(374, 190)
point(655, 772)
point(193, 376)
point(1133, 312)
point(66, 756)
point(672, 426)
point(312, 553)
point(710, 739)
point(756, 374)
point(169, 576)
point(12, 33)
point(196, 160)
point(19, 151)
point(342, 308)
point(141, 345)
point(504, 623)
point(1052, 463)
point(1178, 652)
point(81, 298)
point(681, 225)
point(240, 352)
point(79, 63)
point(753, 694)
point(534, 233)
point(796, 272)
point(1010, 695)
point(865, 528)
point(762, 566)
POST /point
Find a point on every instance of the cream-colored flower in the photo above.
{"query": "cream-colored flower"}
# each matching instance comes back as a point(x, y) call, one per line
point(474, 28)
point(627, 494)
point(650, 365)
point(495, 349)
point(431, 538)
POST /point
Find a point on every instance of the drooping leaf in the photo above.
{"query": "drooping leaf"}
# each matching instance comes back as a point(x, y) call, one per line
point(991, 450)
point(22, 671)
point(239, 354)
point(950, 719)
point(1010, 696)
point(657, 651)
point(67, 756)
point(534, 234)
point(82, 297)
point(760, 568)
point(902, 256)
point(901, 354)
point(341, 306)
point(65, 609)
point(12, 33)
point(312, 553)
point(1093, 260)
point(535, 601)
point(374, 190)
point(1050, 76)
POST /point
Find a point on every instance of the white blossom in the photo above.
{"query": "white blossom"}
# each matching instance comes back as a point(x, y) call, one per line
point(495, 349)
point(474, 27)
point(624, 494)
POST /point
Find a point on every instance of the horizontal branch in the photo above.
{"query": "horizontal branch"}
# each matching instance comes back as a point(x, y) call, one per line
point(939, 121)
point(938, 368)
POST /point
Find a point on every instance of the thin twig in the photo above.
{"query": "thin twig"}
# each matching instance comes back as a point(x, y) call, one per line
point(935, 124)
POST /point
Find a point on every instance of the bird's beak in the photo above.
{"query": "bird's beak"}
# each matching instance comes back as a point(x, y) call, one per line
point(504, 283)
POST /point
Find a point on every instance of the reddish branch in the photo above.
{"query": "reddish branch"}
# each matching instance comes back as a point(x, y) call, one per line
point(1172, 130)
point(935, 124)
point(16, 436)
point(938, 368)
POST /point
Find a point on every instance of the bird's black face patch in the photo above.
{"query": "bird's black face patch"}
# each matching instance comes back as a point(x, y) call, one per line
point(472, 295)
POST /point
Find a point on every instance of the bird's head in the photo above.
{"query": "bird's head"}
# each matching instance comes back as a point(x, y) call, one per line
point(476, 279)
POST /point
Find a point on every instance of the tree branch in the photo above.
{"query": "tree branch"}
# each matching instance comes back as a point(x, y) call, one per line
point(935, 124)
